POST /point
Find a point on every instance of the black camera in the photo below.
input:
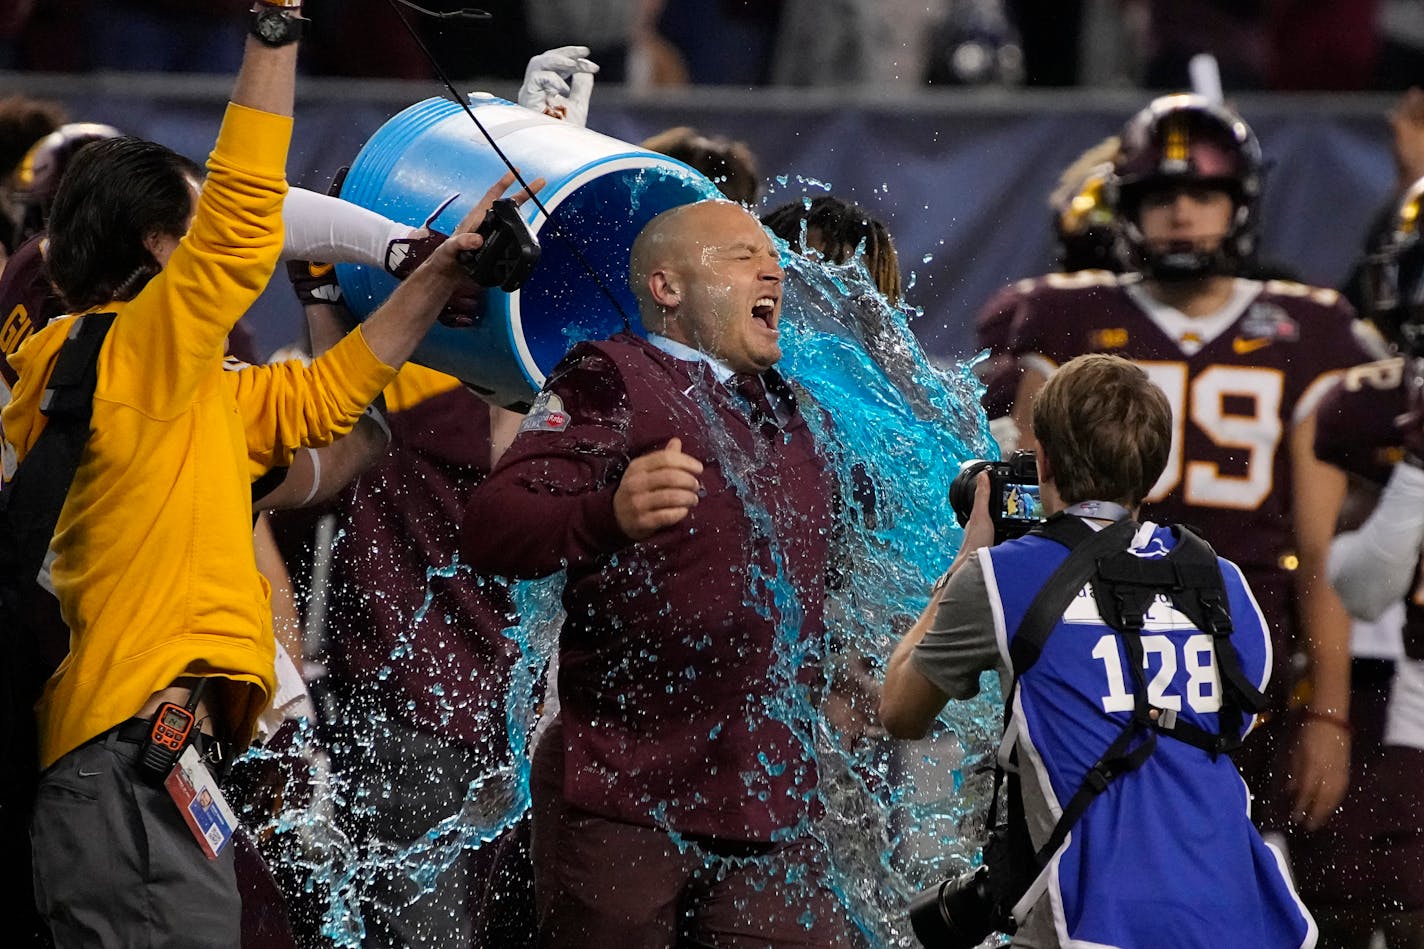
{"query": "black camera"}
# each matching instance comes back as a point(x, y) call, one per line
point(1014, 502)
point(509, 253)
point(960, 913)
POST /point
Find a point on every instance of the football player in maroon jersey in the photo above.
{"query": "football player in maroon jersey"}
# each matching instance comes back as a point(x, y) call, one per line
point(1244, 364)
point(1359, 873)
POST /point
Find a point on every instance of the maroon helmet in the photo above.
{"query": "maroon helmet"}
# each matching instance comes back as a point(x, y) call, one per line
point(1394, 276)
point(1187, 140)
point(40, 171)
point(1083, 223)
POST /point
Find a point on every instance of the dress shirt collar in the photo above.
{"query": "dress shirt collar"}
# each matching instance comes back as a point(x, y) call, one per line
point(686, 353)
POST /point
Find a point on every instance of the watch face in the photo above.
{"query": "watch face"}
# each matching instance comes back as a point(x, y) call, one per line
point(272, 26)
point(275, 28)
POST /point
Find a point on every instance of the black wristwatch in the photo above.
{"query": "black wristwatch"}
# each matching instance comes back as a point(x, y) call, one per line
point(275, 26)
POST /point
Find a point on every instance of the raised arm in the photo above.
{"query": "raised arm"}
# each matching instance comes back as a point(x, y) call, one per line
point(267, 79)
point(1374, 567)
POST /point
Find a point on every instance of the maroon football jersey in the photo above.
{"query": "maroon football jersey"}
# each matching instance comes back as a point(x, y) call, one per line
point(27, 302)
point(1355, 430)
point(993, 330)
point(1354, 427)
point(1237, 380)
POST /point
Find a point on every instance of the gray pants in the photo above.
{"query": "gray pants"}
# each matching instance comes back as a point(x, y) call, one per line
point(117, 866)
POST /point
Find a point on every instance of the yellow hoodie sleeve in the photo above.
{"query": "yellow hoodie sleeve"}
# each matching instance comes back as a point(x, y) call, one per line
point(287, 406)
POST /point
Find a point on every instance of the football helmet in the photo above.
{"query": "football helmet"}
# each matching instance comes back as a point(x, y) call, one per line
point(1083, 220)
point(38, 176)
point(1394, 277)
point(1177, 140)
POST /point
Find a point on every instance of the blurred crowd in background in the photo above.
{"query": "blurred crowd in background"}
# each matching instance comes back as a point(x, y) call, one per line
point(1259, 44)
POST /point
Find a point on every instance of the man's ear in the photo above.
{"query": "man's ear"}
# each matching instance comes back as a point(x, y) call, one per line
point(152, 241)
point(1045, 468)
point(663, 288)
point(159, 247)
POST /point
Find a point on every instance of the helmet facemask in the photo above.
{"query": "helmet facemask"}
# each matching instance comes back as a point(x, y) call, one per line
point(1185, 141)
point(1394, 278)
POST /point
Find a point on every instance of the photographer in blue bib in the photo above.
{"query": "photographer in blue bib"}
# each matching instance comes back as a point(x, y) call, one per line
point(1132, 660)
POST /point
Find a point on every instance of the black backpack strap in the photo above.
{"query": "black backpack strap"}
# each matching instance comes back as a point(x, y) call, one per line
point(1121, 757)
point(1210, 612)
point(1190, 576)
point(1086, 547)
point(1128, 751)
point(35, 636)
point(31, 502)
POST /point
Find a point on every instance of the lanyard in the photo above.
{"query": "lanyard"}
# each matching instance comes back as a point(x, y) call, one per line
point(1102, 510)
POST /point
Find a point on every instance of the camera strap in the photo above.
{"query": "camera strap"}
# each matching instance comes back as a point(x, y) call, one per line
point(36, 637)
point(1085, 547)
point(1023, 863)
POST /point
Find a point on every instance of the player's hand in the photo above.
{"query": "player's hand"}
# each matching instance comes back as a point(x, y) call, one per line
point(445, 258)
point(1320, 772)
point(657, 491)
point(314, 283)
point(559, 83)
point(979, 531)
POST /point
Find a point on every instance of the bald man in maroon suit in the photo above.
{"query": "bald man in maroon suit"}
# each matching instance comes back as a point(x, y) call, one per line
point(676, 481)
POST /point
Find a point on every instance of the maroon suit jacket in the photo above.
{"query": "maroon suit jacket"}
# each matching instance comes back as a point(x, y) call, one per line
point(685, 659)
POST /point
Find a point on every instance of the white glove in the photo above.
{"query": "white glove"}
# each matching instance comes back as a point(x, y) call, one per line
point(559, 83)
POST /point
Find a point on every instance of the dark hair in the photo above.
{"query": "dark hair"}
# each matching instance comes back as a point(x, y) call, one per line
point(731, 165)
point(843, 228)
point(114, 194)
point(1105, 428)
point(23, 122)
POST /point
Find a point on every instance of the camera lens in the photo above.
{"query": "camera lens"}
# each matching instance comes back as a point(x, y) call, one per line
point(957, 914)
point(961, 489)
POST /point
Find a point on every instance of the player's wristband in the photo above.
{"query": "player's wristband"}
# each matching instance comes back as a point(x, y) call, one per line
point(1332, 718)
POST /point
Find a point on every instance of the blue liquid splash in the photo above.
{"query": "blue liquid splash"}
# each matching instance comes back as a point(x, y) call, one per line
point(895, 816)
point(895, 430)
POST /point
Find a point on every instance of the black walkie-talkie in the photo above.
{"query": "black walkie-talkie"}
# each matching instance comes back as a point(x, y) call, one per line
point(510, 250)
point(168, 735)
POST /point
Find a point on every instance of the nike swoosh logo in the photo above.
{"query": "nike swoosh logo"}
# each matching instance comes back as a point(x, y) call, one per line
point(1241, 346)
point(89, 774)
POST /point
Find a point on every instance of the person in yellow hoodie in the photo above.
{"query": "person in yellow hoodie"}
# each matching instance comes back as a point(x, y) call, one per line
point(152, 560)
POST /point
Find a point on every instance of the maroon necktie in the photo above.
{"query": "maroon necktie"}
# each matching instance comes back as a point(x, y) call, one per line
point(751, 389)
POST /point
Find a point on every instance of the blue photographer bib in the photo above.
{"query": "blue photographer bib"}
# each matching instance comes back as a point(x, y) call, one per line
point(1167, 855)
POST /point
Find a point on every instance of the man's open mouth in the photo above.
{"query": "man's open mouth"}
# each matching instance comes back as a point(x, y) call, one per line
point(764, 310)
